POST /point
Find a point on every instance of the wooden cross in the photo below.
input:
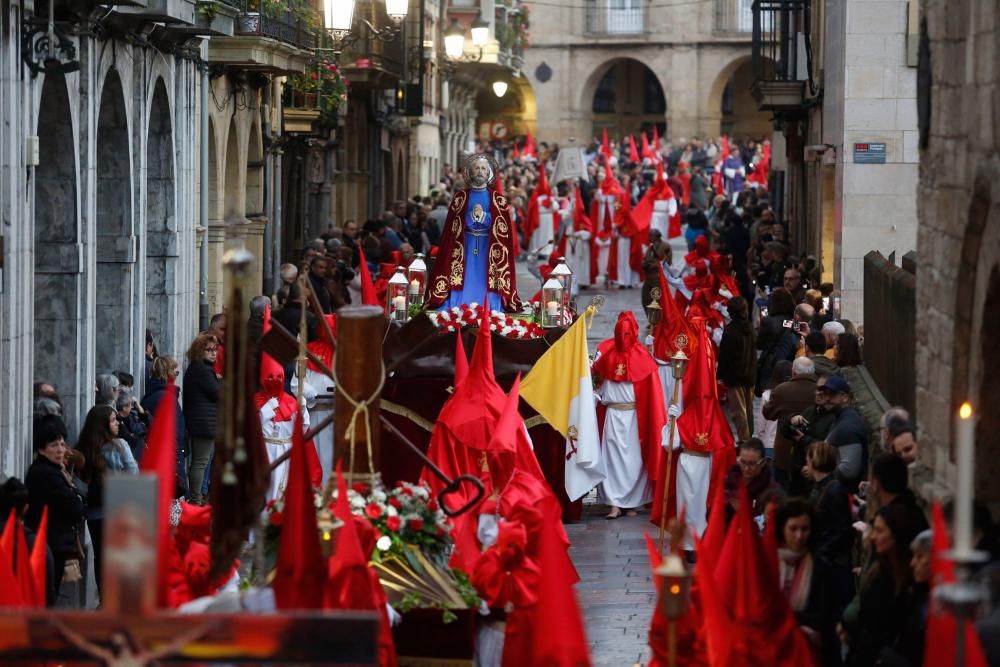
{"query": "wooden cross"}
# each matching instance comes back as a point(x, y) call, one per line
point(129, 632)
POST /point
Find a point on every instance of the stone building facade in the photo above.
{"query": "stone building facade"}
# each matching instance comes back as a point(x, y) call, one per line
point(958, 241)
point(99, 232)
point(691, 52)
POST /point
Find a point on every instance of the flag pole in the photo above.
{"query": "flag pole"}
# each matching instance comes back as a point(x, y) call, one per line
point(670, 468)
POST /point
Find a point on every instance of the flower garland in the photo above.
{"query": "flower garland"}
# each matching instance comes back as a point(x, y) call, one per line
point(470, 315)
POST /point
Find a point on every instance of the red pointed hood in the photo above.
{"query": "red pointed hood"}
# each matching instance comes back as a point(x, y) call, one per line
point(624, 220)
point(647, 152)
point(695, 425)
point(473, 409)
point(656, 145)
point(502, 452)
point(517, 152)
point(368, 294)
point(348, 583)
point(605, 144)
point(498, 185)
point(673, 332)
point(623, 358)
point(581, 221)
point(300, 573)
point(325, 346)
point(161, 459)
point(543, 187)
point(272, 375)
point(633, 152)
point(529, 146)
point(610, 184)
point(724, 152)
point(38, 558)
point(557, 609)
point(10, 590)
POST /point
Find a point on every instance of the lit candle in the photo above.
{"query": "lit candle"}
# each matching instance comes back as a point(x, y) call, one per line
point(552, 308)
point(414, 287)
point(965, 452)
point(399, 303)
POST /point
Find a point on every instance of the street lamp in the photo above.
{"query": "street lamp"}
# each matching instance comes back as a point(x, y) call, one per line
point(454, 41)
point(499, 87)
point(397, 9)
point(480, 30)
point(339, 23)
point(339, 18)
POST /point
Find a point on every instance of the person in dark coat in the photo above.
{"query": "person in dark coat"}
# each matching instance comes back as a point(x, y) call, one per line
point(907, 650)
point(803, 575)
point(201, 398)
point(165, 369)
point(752, 468)
point(50, 485)
point(775, 341)
point(787, 400)
point(133, 423)
point(738, 366)
point(833, 533)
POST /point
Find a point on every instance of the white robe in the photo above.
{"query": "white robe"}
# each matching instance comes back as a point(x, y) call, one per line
point(278, 440)
point(627, 485)
point(626, 276)
point(663, 210)
point(541, 238)
point(319, 394)
point(605, 216)
point(578, 259)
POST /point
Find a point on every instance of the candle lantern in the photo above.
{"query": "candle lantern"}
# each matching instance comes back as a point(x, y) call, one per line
point(653, 313)
point(675, 586)
point(679, 364)
point(564, 275)
point(552, 303)
point(416, 274)
point(396, 302)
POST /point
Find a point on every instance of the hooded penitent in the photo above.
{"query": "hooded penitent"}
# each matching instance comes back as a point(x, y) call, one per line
point(702, 253)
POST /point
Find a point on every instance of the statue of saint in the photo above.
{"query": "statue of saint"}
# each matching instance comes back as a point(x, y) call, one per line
point(475, 258)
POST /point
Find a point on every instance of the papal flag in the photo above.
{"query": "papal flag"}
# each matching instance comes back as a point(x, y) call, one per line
point(559, 388)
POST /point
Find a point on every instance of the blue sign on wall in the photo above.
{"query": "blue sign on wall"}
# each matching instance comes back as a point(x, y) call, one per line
point(869, 153)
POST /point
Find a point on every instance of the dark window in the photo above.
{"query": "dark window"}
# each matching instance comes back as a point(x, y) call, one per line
point(604, 96)
point(727, 99)
point(655, 101)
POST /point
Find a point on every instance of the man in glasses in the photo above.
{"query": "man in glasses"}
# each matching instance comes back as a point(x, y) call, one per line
point(753, 469)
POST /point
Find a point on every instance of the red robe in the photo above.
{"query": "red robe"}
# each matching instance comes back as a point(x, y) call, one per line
point(448, 272)
point(624, 359)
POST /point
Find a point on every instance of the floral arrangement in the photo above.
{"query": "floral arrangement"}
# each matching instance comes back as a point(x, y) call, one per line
point(322, 81)
point(469, 315)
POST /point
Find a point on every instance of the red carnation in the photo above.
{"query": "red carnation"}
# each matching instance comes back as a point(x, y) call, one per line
point(407, 491)
point(395, 502)
point(432, 504)
point(393, 523)
point(416, 524)
point(360, 487)
point(277, 518)
point(373, 511)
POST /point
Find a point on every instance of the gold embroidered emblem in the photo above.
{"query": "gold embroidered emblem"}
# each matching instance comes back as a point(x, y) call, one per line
point(701, 439)
point(681, 341)
point(620, 369)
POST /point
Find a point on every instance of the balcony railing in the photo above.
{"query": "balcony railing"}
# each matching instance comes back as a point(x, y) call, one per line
point(781, 47)
point(284, 28)
point(615, 17)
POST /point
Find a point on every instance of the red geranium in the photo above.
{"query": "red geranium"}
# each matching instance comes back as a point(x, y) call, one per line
point(416, 524)
point(393, 523)
point(373, 511)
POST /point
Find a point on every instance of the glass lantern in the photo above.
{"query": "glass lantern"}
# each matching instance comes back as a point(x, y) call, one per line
point(552, 303)
point(564, 274)
point(416, 274)
point(396, 303)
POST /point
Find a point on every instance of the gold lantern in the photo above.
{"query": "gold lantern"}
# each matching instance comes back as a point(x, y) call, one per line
point(396, 302)
point(552, 303)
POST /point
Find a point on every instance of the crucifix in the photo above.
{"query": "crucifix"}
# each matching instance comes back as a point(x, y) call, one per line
point(129, 632)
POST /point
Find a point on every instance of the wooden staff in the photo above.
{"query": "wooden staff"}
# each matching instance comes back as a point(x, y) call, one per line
point(358, 365)
point(670, 465)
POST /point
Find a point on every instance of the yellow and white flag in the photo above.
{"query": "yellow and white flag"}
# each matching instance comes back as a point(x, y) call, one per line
point(560, 389)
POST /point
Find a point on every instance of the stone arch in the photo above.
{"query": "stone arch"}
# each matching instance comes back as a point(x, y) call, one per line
point(214, 192)
point(58, 251)
point(517, 109)
point(977, 296)
point(116, 242)
point(735, 76)
point(161, 223)
point(233, 202)
point(625, 96)
point(255, 173)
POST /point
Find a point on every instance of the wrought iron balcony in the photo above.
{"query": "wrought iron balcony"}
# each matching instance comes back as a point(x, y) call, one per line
point(371, 61)
point(782, 54)
point(285, 28)
point(614, 17)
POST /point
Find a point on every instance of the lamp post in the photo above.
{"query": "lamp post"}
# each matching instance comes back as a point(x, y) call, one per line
point(678, 366)
point(454, 45)
point(675, 590)
point(338, 19)
point(499, 87)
